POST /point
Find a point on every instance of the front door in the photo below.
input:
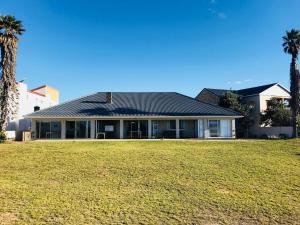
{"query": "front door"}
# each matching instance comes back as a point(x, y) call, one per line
point(155, 129)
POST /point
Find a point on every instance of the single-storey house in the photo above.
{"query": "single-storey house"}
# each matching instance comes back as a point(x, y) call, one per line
point(146, 115)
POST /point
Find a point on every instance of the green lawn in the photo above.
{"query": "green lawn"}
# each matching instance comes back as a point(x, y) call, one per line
point(150, 182)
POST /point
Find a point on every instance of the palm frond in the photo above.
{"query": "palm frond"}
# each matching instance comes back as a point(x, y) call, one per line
point(291, 42)
point(10, 26)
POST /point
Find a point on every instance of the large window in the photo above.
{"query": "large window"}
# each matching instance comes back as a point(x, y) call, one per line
point(78, 129)
point(48, 130)
point(172, 125)
point(214, 128)
point(136, 129)
point(108, 129)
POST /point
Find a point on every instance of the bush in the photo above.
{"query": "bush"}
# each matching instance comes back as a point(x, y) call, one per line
point(264, 136)
point(283, 136)
point(2, 136)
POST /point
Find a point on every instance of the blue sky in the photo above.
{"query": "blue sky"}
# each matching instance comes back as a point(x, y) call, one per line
point(81, 47)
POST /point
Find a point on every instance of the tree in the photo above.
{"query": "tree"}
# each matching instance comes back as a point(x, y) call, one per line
point(233, 101)
point(10, 29)
point(291, 45)
point(276, 114)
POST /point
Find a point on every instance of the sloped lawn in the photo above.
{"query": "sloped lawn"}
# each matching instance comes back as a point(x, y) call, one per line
point(150, 182)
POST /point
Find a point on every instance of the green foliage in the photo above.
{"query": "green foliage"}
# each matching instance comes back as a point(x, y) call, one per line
point(10, 26)
point(230, 100)
point(276, 114)
point(150, 182)
point(2, 136)
point(291, 42)
point(233, 101)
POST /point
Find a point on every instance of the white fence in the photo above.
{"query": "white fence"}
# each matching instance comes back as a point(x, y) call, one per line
point(271, 131)
point(11, 135)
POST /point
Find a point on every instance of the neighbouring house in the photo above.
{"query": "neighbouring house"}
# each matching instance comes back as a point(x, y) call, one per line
point(149, 115)
point(257, 97)
point(30, 101)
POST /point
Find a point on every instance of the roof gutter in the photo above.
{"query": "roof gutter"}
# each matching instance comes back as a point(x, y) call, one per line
point(130, 117)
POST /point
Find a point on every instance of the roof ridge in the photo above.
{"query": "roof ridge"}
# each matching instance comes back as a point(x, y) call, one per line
point(217, 106)
point(258, 86)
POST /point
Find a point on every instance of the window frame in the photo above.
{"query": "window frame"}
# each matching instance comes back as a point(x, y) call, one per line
point(217, 128)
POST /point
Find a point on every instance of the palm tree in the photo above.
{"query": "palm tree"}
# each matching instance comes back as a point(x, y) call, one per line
point(10, 29)
point(291, 45)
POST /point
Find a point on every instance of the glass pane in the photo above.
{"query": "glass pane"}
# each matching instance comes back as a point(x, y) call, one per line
point(37, 134)
point(70, 129)
point(45, 130)
point(89, 129)
point(136, 129)
point(144, 128)
point(55, 130)
point(155, 129)
point(181, 124)
point(172, 125)
point(109, 128)
point(81, 129)
point(214, 128)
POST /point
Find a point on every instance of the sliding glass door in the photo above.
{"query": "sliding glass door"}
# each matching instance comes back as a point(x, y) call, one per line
point(135, 129)
point(70, 129)
point(48, 129)
point(78, 129)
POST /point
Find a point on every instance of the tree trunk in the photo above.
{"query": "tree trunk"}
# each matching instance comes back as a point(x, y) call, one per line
point(8, 79)
point(294, 89)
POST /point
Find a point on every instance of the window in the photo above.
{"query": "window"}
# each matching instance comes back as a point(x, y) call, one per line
point(81, 129)
point(181, 124)
point(78, 129)
point(36, 108)
point(251, 104)
point(214, 128)
point(48, 130)
point(172, 125)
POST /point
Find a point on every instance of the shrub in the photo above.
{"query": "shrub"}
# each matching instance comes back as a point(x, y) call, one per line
point(283, 136)
point(264, 136)
point(2, 136)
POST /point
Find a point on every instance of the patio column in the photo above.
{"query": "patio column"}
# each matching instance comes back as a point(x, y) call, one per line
point(121, 129)
point(149, 129)
point(33, 128)
point(233, 128)
point(177, 129)
point(200, 129)
point(63, 129)
point(93, 128)
point(206, 130)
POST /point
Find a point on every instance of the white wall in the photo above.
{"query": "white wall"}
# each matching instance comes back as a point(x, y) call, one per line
point(275, 91)
point(26, 104)
point(260, 101)
point(271, 131)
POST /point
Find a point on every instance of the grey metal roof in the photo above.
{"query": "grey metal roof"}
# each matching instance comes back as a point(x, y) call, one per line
point(218, 92)
point(126, 104)
point(254, 90)
point(243, 92)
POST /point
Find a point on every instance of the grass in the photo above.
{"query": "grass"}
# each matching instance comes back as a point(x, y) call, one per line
point(150, 182)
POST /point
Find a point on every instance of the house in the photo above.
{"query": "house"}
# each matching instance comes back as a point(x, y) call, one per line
point(257, 97)
point(118, 115)
point(28, 102)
